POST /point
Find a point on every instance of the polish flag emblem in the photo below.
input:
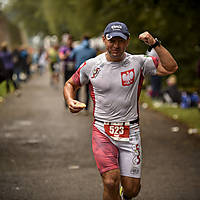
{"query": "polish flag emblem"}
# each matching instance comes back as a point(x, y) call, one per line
point(128, 77)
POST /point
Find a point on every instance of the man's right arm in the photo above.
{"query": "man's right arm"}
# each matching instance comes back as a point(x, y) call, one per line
point(70, 89)
point(167, 64)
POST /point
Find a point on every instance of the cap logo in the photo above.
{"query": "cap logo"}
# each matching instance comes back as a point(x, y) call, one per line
point(108, 36)
point(116, 27)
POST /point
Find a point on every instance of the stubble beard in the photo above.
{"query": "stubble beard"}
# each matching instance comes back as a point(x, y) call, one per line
point(117, 57)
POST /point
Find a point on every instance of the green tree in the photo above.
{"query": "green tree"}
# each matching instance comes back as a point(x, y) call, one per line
point(175, 23)
point(29, 14)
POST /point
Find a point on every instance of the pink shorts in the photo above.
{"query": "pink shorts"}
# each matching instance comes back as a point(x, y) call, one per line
point(105, 153)
point(110, 154)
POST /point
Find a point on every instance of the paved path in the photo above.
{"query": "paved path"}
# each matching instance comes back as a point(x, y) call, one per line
point(45, 152)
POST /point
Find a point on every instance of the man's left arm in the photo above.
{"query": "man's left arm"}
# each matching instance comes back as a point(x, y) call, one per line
point(167, 65)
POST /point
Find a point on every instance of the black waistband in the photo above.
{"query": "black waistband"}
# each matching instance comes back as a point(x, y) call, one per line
point(131, 122)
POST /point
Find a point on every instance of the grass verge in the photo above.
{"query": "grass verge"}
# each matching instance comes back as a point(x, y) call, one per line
point(3, 91)
point(189, 116)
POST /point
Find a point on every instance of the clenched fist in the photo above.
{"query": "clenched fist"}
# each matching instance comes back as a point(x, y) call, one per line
point(147, 38)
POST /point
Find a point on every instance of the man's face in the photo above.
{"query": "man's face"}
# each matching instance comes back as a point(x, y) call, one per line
point(116, 47)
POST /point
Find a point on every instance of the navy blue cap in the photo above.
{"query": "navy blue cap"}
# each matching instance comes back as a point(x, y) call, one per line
point(115, 29)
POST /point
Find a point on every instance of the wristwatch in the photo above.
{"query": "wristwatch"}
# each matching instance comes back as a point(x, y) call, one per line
point(157, 43)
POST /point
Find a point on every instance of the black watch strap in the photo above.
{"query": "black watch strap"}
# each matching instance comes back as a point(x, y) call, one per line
point(157, 43)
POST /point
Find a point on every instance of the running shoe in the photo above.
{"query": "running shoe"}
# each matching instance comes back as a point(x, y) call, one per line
point(121, 192)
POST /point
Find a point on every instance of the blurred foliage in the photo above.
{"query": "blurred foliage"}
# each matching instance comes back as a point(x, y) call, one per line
point(27, 14)
point(3, 91)
point(175, 23)
point(9, 31)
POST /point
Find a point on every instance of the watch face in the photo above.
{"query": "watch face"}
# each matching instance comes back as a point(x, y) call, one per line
point(157, 43)
point(158, 40)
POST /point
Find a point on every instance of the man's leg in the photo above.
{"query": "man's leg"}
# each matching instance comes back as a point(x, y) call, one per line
point(131, 187)
point(111, 181)
point(106, 156)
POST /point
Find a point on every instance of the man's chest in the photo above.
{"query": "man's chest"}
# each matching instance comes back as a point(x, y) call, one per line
point(114, 77)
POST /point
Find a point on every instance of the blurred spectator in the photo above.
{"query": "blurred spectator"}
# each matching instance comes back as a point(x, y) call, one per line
point(25, 63)
point(35, 57)
point(190, 100)
point(171, 94)
point(2, 71)
point(185, 100)
point(8, 64)
point(155, 81)
point(17, 64)
point(42, 61)
point(80, 54)
point(53, 59)
point(67, 63)
point(194, 99)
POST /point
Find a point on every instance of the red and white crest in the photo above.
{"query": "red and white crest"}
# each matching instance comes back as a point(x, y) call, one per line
point(128, 77)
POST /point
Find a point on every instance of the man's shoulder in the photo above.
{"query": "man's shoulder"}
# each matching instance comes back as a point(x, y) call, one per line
point(135, 57)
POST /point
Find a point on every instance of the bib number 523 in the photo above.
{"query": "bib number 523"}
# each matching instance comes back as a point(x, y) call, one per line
point(116, 130)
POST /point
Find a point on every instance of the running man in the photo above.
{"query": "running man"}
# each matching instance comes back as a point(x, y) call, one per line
point(115, 79)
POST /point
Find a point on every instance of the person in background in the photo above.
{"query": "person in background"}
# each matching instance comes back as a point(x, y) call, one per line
point(2, 71)
point(171, 94)
point(80, 54)
point(53, 59)
point(17, 64)
point(67, 63)
point(42, 61)
point(24, 63)
point(6, 57)
point(155, 81)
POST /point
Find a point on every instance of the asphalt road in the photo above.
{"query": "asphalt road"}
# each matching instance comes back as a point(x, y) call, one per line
point(45, 152)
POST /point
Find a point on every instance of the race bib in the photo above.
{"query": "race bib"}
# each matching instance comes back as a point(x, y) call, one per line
point(117, 131)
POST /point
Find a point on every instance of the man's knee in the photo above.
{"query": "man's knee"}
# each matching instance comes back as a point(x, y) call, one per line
point(111, 180)
point(131, 192)
point(110, 183)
